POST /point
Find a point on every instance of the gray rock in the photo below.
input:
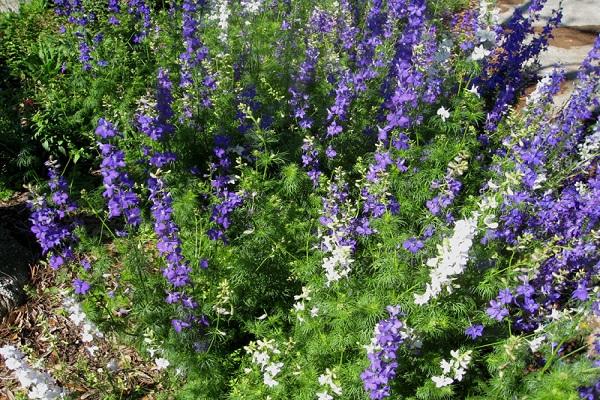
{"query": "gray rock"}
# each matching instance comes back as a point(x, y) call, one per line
point(9, 5)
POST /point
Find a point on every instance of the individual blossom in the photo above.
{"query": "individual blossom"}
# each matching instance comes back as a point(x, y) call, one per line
point(474, 331)
point(443, 113)
point(413, 245)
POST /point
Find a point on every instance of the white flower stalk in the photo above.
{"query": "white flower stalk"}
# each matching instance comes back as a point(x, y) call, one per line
point(88, 330)
point(452, 258)
point(39, 384)
point(262, 353)
point(327, 382)
point(223, 305)
point(221, 13)
point(590, 148)
point(336, 218)
point(300, 305)
point(338, 264)
point(453, 370)
point(536, 95)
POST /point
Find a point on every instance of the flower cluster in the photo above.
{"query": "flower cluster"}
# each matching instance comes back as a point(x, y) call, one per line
point(221, 14)
point(118, 187)
point(221, 182)
point(39, 384)
point(300, 304)
point(263, 353)
point(192, 57)
point(159, 128)
point(452, 258)
point(504, 71)
point(89, 331)
point(310, 160)
point(327, 383)
point(52, 223)
point(453, 370)
point(450, 187)
point(169, 245)
point(141, 12)
point(337, 240)
point(382, 353)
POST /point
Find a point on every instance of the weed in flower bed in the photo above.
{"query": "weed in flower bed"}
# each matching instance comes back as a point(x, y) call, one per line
point(331, 200)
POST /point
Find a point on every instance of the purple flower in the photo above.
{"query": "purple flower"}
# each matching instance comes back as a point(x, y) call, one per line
point(505, 296)
point(474, 331)
point(80, 286)
point(413, 245)
point(497, 311)
point(330, 152)
point(204, 263)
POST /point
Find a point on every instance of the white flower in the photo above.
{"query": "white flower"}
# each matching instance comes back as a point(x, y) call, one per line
point(113, 365)
point(474, 90)
point(446, 366)
point(269, 381)
point(489, 221)
point(87, 337)
point(441, 381)
point(314, 312)
point(13, 364)
point(251, 6)
point(274, 368)
point(92, 350)
point(305, 295)
point(486, 36)
point(26, 377)
point(161, 363)
point(324, 396)
point(9, 351)
point(443, 113)
point(38, 391)
point(261, 358)
point(536, 343)
point(479, 53)
point(298, 306)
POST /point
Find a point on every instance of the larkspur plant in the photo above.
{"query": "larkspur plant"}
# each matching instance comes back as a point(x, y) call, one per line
point(293, 169)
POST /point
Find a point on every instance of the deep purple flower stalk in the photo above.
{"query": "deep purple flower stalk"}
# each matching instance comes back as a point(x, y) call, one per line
point(221, 183)
point(122, 200)
point(52, 223)
point(141, 11)
point(192, 57)
point(389, 335)
point(159, 127)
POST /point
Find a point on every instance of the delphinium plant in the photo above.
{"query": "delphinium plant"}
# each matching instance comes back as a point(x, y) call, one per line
point(335, 199)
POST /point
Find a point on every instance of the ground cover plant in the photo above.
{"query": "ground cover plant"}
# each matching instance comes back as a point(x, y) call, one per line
point(304, 200)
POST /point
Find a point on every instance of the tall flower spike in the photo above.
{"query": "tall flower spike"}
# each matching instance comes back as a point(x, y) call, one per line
point(52, 223)
point(118, 187)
